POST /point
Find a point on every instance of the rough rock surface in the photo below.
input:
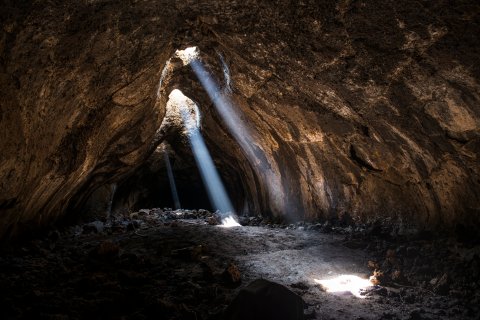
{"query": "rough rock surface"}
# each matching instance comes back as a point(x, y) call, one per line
point(358, 110)
point(160, 264)
point(263, 299)
point(78, 100)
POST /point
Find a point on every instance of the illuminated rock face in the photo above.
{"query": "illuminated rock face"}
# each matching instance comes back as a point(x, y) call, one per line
point(78, 101)
point(360, 110)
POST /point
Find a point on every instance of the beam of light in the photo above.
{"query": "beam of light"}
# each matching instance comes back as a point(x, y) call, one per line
point(113, 189)
point(171, 179)
point(346, 283)
point(210, 176)
point(236, 125)
point(216, 191)
point(223, 106)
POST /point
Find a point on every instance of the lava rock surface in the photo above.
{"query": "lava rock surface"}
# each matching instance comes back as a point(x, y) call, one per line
point(356, 108)
point(162, 264)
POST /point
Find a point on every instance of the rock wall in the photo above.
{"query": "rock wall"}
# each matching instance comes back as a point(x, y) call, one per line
point(358, 110)
point(78, 100)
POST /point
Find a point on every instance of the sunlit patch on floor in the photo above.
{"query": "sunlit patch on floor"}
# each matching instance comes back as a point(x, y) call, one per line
point(346, 283)
point(229, 222)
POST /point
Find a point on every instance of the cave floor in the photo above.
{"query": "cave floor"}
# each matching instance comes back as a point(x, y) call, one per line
point(146, 267)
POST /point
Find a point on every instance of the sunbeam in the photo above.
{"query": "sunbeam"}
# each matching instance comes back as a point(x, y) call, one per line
point(216, 191)
point(235, 124)
point(171, 179)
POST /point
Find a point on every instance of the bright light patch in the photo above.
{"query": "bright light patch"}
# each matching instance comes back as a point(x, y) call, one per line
point(229, 222)
point(346, 283)
point(179, 104)
point(187, 55)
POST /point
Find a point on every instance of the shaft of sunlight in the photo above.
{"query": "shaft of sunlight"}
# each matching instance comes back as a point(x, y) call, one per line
point(239, 130)
point(171, 179)
point(211, 178)
point(215, 189)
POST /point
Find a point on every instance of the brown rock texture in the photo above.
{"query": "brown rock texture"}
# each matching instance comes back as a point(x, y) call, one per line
point(78, 100)
point(357, 109)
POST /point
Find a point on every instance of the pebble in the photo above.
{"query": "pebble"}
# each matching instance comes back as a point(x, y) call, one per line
point(232, 274)
point(93, 227)
point(106, 249)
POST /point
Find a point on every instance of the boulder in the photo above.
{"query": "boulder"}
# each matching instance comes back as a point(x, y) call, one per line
point(265, 300)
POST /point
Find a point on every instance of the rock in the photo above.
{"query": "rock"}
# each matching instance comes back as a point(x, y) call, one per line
point(179, 214)
point(190, 215)
point(198, 251)
point(54, 235)
point(130, 259)
point(416, 315)
point(300, 285)
point(93, 227)
point(173, 224)
point(232, 274)
point(265, 300)
point(391, 257)
point(327, 227)
point(192, 253)
point(244, 220)
point(144, 212)
point(397, 276)
point(373, 265)
point(214, 220)
point(134, 215)
point(377, 278)
point(368, 157)
point(393, 292)
point(106, 249)
point(441, 285)
point(203, 212)
point(381, 292)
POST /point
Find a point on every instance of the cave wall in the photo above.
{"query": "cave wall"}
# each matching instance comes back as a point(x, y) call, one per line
point(78, 100)
point(362, 110)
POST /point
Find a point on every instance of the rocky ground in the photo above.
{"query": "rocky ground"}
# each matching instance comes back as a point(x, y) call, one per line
point(165, 264)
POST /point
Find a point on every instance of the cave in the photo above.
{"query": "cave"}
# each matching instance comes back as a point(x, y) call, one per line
point(167, 159)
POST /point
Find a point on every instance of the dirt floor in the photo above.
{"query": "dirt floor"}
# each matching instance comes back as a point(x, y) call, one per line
point(178, 265)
